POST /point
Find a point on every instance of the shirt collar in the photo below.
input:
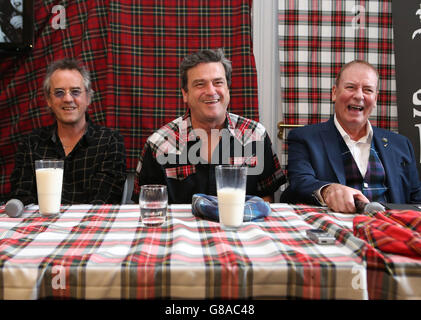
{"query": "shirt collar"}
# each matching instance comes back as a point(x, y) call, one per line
point(175, 135)
point(243, 129)
point(365, 139)
point(87, 136)
point(228, 124)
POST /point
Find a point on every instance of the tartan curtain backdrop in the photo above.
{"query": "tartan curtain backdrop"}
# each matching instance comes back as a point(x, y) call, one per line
point(315, 39)
point(133, 50)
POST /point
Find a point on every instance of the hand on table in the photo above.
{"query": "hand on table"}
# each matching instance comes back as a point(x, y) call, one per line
point(340, 198)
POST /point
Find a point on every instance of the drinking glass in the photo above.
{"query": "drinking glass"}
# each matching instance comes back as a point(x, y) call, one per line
point(49, 177)
point(231, 190)
point(153, 202)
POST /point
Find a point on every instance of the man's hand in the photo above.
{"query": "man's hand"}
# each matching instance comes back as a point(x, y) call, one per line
point(340, 198)
point(268, 198)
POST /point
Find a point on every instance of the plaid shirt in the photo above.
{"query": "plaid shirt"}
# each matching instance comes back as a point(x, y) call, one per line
point(94, 172)
point(171, 157)
point(373, 184)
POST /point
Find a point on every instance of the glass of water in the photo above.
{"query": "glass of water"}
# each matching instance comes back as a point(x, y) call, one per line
point(153, 202)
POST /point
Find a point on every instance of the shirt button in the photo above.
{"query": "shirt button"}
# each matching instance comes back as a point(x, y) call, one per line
point(365, 185)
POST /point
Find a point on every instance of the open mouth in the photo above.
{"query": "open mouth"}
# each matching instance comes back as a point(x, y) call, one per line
point(69, 108)
point(212, 101)
point(357, 108)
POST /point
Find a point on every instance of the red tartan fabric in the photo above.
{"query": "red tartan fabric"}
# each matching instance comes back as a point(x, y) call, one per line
point(133, 50)
point(105, 252)
point(397, 232)
point(180, 172)
point(388, 275)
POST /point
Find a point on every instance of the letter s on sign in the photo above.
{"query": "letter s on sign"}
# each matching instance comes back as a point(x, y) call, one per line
point(415, 100)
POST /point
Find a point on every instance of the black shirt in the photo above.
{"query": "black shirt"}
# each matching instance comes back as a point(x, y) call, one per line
point(94, 171)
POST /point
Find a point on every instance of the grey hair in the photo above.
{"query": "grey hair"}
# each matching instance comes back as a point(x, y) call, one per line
point(68, 64)
point(204, 56)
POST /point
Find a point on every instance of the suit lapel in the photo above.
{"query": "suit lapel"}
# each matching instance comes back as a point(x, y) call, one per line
point(383, 145)
point(330, 140)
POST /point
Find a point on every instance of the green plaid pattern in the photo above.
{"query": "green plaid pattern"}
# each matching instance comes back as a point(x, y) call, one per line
point(373, 184)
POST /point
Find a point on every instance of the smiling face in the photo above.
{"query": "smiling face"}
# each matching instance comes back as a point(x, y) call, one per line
point(18, 5)
point(207, 94)
point(355, 96)
point(70, 107)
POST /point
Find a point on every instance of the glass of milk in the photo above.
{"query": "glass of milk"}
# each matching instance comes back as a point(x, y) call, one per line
point(49, 177)
point(231, 189)
point(153, 203)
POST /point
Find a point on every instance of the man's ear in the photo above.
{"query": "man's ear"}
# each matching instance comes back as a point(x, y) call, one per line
point(48, 100)
point(184, 93)
point(90, 94)
point(334, 93)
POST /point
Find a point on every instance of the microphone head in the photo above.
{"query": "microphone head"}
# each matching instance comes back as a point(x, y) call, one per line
point(360, 206)
point(14, 208)
point(373, 207)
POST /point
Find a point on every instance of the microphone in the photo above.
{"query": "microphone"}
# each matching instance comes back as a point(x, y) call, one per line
point(368, 207)
point(14, 208)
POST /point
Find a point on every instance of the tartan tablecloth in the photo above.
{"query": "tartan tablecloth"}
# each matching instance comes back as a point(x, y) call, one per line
point(389, 276)
point(104, 251)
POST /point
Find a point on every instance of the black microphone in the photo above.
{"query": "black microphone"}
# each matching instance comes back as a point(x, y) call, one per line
point(368, 207)
point(14, 208)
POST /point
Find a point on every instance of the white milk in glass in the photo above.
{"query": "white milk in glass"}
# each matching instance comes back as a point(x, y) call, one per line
point(49, 184)
point(231, 206)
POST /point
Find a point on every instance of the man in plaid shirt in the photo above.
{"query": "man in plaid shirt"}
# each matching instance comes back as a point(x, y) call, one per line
point(94, 156)
point(183, 153)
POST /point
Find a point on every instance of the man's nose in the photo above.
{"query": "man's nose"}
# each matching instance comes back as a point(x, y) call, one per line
point(67, 96)
point(359, 94)
point(210, 89)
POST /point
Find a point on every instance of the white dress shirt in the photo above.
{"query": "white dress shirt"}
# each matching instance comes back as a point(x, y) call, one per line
point(360, 149)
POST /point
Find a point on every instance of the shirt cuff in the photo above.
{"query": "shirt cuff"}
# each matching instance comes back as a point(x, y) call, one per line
point(318, 195)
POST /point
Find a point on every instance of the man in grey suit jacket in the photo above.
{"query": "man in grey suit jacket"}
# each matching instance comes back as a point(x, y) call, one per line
point(335, 162)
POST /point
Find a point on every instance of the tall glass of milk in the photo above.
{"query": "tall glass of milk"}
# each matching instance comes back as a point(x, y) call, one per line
point(231, 190)
point(49, 177)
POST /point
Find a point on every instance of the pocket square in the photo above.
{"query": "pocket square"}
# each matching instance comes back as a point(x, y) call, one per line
point(206, 207)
